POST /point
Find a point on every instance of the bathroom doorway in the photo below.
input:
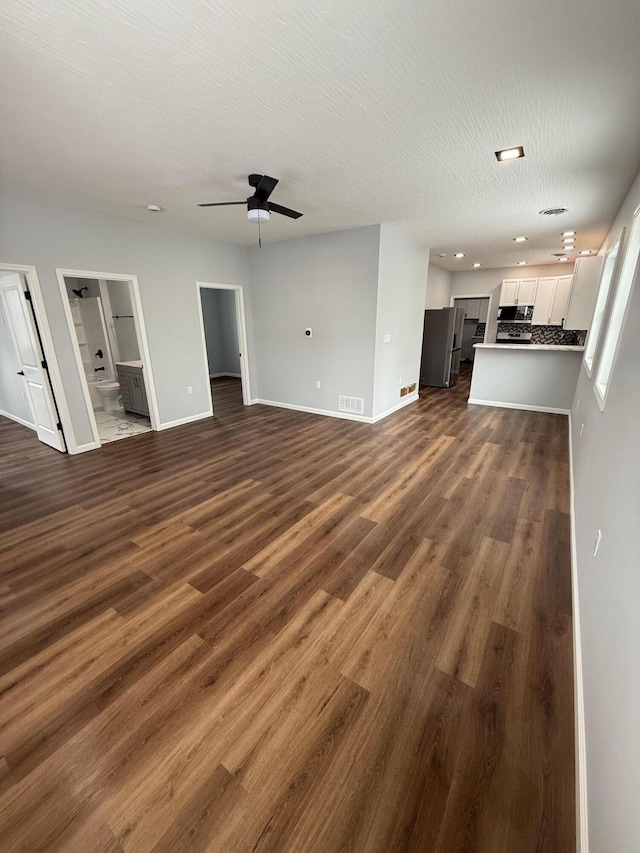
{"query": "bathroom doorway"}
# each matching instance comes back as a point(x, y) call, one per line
point(222, 322)
point(104, 315)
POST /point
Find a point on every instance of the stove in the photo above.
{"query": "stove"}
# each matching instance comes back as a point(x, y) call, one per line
point(513, 338)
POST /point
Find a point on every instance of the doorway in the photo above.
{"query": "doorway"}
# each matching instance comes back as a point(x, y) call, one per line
point(224, 337)
point(104, 316)
point(26, 391)
point(476, 312)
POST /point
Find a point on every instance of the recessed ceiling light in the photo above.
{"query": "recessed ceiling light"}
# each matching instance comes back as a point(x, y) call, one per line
point(584, 252)
point(442, 255)
point(562, 260)
point(568, 234)
point(459, 255)
point(477, 265)
point(519, 239)
point(553, 211)
point(154, 208)
point(568, 239)
point(510, 153)
point(522, 263)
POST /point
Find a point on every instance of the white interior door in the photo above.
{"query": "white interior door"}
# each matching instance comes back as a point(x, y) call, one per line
point(36, 381)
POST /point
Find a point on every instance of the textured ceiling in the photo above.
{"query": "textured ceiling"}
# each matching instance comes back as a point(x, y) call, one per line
point(377, 111)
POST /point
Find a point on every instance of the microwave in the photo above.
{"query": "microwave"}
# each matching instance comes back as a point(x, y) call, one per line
point(515, 313)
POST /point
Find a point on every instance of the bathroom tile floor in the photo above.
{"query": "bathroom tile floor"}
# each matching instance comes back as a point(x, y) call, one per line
point(112, 426)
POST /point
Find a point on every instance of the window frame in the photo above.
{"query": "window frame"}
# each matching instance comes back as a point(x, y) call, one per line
point(603, 299)
point(618, 313)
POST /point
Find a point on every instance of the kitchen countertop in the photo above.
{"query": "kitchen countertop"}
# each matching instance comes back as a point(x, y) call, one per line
point(533, 347)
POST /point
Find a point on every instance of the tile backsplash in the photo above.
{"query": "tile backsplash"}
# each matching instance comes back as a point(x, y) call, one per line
point(549, 335)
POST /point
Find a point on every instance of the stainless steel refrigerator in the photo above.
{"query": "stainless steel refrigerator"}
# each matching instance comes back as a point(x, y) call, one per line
point(441, 345)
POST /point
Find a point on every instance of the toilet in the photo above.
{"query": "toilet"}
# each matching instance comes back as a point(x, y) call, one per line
point(109, 392)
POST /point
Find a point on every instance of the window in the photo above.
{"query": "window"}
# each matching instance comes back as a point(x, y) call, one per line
point(601, 303)
point(616, 319)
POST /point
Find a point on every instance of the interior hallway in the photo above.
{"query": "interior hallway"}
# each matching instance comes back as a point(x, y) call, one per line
point(275, 631)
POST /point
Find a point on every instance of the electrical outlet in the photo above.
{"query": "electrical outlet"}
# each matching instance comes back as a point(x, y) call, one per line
point(189, 389)
point(317, 383)
point(581, 430)
point(596, 544)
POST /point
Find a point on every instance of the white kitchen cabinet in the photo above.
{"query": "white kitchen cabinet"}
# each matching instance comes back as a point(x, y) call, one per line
point(552, 297)
point(560, 300)
point(509, 292)
point(527, 291)
point(543, 305)
point(518, 291)
point(586, 280)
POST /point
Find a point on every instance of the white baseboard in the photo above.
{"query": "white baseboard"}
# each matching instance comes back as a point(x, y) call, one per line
point(311, 411)
point(347, 416)
point(17, 419)
point(405, 402)
point(582, 816)
point(219, 375)
point(522, 406)
point(183, 421)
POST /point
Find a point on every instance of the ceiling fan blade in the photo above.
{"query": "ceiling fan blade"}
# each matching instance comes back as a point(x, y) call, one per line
point(285, 211)
point(265, 187)
point(221, 203)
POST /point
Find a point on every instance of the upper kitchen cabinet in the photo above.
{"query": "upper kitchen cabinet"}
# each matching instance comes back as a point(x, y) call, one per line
point(561, 300)
point(586, 279)
point(552, 298)
point(518, 291)
point(544, 301)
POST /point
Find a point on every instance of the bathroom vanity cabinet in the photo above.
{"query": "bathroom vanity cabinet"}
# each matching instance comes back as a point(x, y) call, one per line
point(134, 395)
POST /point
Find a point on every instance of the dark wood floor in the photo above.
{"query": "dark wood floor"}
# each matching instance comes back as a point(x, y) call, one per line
point(275, 631)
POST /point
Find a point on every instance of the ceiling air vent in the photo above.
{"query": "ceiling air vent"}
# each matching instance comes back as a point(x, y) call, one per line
point(353, 405)
point(553, 211)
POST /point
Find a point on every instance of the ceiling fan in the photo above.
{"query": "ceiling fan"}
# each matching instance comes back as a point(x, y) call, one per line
point(259, 208)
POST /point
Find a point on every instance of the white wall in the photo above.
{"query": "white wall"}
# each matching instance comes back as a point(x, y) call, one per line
point(402, 270)
point(606, 464)
point(438, 287)
point(38, 232)
point(328, 283)
point(13, 399)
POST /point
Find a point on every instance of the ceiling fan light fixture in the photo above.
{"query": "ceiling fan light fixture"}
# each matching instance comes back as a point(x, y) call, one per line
point(258, 215)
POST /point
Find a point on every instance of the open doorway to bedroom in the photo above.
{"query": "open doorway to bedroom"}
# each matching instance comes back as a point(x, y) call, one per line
point(224, 346)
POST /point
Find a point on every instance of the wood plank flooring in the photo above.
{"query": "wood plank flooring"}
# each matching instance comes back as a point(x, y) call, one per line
point(271, 631)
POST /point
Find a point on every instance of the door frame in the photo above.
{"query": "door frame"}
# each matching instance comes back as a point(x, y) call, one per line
point(46, 342)
point(241, 324)
point(141, 334)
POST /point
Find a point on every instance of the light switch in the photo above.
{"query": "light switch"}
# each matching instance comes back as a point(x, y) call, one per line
point(387, 339)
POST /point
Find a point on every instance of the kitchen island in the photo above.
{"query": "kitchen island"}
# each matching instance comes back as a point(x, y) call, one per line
point(537, 377)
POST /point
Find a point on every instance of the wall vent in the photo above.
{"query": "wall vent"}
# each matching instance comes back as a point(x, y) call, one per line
point(353, 405)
